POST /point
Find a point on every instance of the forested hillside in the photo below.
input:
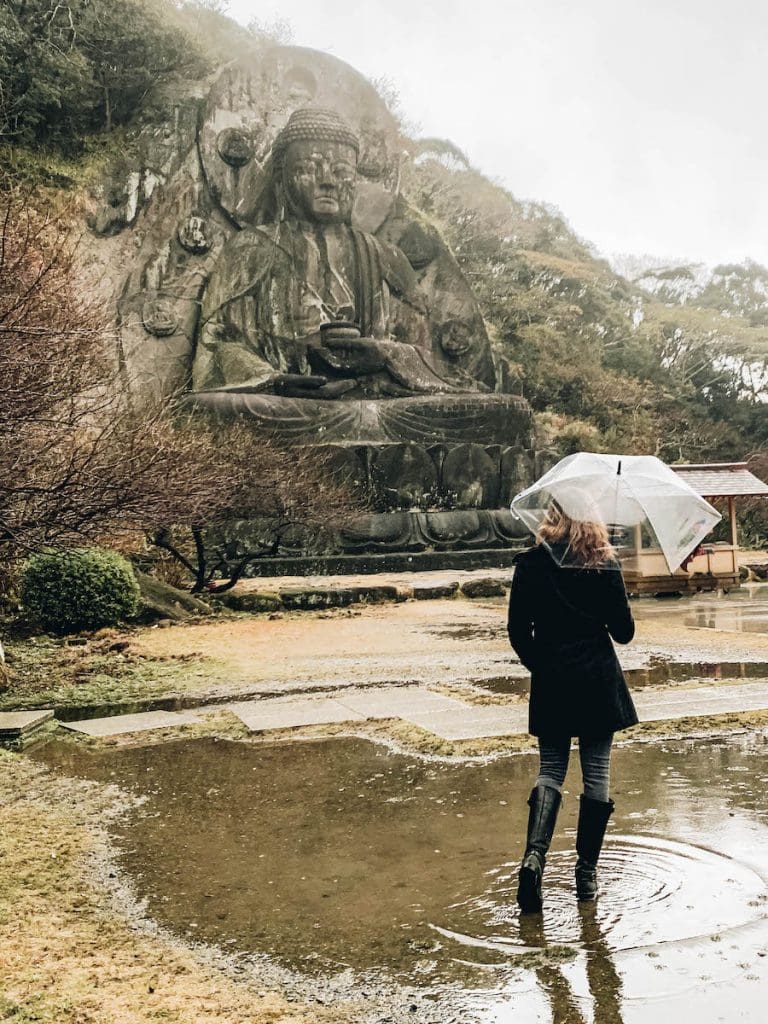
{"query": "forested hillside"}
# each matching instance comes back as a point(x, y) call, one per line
point(663, 359)
point(634, 364)
point(72, 73)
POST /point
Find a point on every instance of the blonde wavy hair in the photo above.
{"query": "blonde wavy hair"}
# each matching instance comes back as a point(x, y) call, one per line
point(587, 541)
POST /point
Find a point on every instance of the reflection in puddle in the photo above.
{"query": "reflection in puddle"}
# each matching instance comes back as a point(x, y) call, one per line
point(742, 611)
point(651, 893)
point(341, 854)
point(658, 672)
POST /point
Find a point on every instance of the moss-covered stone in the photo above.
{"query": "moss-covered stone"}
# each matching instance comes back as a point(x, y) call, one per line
point(299, 599)
point(253, 601)
point(483, 588)
point(159, 600)
point(435, 591)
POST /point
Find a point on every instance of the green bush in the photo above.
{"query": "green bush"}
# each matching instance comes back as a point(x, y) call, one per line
point(84, 588)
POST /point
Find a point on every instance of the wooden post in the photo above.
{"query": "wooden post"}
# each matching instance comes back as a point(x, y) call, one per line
point(732, 516)
point(637, 540)
point(734, 537)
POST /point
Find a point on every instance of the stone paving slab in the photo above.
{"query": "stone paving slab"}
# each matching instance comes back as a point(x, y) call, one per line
point(116, 725)
point(472, 722)
point(16, 723)
point(397, 701)
point(704, 700)
point(446, 717)
point(280, 713)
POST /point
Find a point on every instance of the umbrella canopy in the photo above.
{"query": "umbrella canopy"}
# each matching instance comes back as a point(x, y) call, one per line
point(621, 492)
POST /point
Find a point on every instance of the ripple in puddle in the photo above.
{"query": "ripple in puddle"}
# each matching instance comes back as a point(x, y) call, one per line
point(652, 892)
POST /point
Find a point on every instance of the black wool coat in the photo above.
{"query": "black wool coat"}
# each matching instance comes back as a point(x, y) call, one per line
point(561, 620)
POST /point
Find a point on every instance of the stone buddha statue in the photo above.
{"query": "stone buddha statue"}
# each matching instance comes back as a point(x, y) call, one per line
point(318, 329)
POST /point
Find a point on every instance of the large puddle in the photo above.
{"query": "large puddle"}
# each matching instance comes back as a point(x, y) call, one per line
point(341, 855)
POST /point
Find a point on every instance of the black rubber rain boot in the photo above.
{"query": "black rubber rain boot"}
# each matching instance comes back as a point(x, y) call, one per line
point(593, 820)
point(544, 803)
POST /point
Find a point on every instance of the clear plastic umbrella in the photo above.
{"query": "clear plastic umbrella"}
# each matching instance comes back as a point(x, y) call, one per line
point(638, 499)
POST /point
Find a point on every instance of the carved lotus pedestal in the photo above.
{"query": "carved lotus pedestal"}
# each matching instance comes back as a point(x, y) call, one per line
point(434, 505)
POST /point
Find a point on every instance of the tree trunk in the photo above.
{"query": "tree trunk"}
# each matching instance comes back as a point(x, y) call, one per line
point(197, 535)
point(107, 105)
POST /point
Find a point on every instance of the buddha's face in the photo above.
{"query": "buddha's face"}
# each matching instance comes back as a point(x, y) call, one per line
point(319, 179)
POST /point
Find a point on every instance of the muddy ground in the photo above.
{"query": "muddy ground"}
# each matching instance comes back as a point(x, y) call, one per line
point(441, 643)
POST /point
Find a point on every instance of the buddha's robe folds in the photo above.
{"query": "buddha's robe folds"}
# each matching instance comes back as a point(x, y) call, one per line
point(275, 285)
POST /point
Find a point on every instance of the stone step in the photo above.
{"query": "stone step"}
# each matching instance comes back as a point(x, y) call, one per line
point(318, 592)
point(261, 715)
point(18, 727)
point(472, 721)
point(116, 725)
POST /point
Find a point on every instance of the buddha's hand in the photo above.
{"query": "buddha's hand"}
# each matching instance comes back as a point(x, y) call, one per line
point(297, 385)
point(358, 356)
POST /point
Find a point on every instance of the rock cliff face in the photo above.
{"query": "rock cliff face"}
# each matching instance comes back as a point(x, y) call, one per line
point(201, 182)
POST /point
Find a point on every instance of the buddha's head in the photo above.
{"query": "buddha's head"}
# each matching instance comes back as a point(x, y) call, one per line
point(315, 164)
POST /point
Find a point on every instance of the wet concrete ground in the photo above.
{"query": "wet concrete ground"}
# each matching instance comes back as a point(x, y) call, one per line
point(341, 858)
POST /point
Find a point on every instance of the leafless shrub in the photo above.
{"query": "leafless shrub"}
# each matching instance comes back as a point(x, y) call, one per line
point(80, 463)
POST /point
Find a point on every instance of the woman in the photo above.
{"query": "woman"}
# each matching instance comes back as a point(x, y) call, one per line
point(567, 601)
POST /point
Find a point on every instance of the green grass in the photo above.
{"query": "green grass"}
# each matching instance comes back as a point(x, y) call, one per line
point(40, 168)
point(48, 672)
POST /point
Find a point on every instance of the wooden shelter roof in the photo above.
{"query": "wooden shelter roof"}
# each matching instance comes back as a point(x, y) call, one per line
point(722, 480)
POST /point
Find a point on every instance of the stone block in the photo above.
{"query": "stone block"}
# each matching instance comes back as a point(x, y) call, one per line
point(483, 588)
point(511, 529)
point(252, 601)
point(385, 561)
point(288, 713)
point(703, 700)
point(398, 531)
point(518, 471)
point(470, 722)
point(16, 725)
point(459, 529)
point(397, 701)
point(435, 591)
point(298, 599)
point(405, 477)
point(470, 476)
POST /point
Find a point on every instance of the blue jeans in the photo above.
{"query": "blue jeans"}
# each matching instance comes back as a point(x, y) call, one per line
point(595, 756)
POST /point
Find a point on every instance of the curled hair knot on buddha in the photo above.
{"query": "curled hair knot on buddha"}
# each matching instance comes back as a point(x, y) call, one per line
point(313, 124)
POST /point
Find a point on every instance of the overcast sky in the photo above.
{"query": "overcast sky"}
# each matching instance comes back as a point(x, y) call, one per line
point(644, 121)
